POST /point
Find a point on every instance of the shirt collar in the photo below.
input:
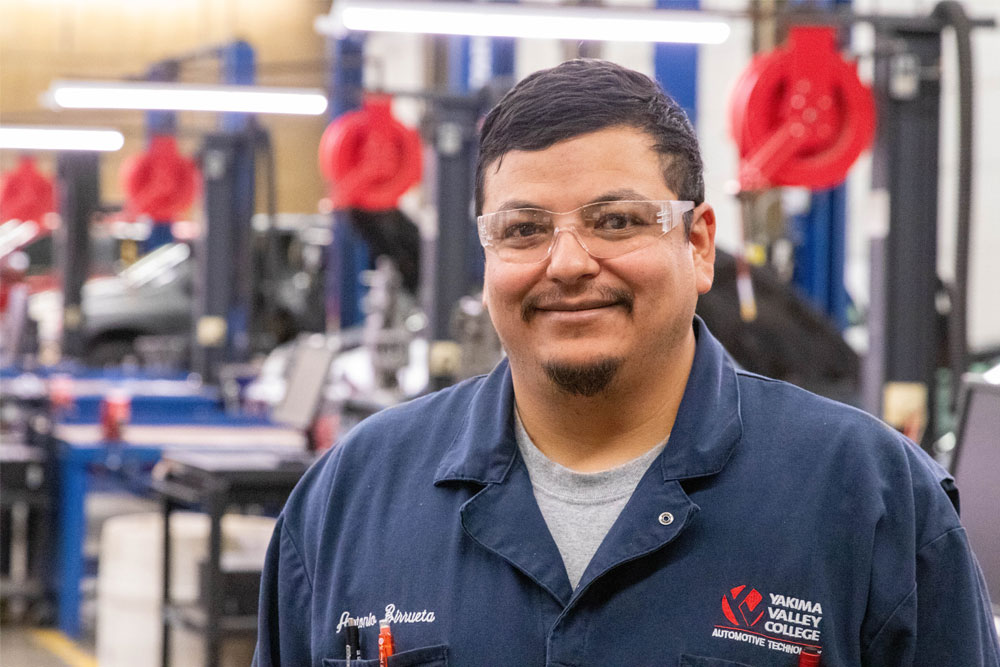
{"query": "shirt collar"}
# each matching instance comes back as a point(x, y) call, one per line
point(705, 433)
point(708, 425)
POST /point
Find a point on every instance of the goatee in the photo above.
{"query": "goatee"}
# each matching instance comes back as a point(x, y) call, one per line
point(583, 379)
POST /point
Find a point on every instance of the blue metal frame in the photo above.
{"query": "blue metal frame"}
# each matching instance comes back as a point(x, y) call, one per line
point(239, 67)
point(503, 56)
point(676, 65)
point(79, 188)
point(820, 248)
point(348, 254)
point(458, 64)
point(159, 235)
point(503, 52)
point(162, 122)
point(75, 465)
point(456, 264)
point(820, 237)
point(225, 286)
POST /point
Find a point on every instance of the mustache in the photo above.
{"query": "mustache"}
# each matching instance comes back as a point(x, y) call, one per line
point(615, 296)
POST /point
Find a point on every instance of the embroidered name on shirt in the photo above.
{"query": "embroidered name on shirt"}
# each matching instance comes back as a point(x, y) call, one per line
point(362, 621)
point(787, 624)
point(392, 615)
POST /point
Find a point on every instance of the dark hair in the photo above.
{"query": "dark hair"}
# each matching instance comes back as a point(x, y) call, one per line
point(586, 95)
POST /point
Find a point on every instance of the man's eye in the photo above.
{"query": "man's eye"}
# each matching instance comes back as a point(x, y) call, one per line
point(611, 221)
point(520, 230)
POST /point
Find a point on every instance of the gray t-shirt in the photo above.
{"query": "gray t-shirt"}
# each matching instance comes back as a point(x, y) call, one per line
point(579, 507)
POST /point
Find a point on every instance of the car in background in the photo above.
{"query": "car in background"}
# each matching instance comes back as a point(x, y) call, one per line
point(151, 297)
point(145, 311)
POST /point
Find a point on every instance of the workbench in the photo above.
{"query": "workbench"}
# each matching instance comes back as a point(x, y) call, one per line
point(81, 454)
point(213, 483)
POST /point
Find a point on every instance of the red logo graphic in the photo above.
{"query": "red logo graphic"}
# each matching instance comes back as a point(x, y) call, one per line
point(742, 607)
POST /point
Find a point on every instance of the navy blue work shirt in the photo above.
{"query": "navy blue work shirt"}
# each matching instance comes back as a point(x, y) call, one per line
point(773, 520)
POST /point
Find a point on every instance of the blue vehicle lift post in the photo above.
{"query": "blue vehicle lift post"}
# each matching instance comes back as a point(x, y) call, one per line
point(223, 297)
point(79, 189)
point(348, 254)
point(160, 123)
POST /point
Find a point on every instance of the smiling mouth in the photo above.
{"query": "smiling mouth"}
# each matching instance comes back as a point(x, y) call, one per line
point(575, 308)
point(554, 302)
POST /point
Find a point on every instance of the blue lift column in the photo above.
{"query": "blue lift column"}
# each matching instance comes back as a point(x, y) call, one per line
point(223, 296)
point(503, 54)
point(459, 50)
point(79, 188)
point(502, 61)
point(676, 65)
point(820, 237)
point(454, 260)
point(348, 254)
point(159, 123)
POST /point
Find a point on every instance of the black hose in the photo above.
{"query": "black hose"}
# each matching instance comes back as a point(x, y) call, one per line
point(952, 13)
point(272, 254)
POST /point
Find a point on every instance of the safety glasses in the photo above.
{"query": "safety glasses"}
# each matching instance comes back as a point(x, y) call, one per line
point(606, 229)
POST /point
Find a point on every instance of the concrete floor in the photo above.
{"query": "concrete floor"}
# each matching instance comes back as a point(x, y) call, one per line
point(23, 646)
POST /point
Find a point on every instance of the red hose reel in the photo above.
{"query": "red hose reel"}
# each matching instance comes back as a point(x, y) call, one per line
point(160, 183)
point(800, 115)
point(369, 158)
point(26, 193)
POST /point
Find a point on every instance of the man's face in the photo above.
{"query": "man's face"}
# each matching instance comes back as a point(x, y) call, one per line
point(572, 311)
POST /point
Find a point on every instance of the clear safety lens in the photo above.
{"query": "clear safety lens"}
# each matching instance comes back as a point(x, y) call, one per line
point(604, 229)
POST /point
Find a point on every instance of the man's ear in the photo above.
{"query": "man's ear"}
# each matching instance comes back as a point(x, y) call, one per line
point(702, 241)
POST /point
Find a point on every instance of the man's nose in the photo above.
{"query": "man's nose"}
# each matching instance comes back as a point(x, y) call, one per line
point(569, 260)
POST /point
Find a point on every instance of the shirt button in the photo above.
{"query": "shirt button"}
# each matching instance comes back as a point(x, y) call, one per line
point(666, 518)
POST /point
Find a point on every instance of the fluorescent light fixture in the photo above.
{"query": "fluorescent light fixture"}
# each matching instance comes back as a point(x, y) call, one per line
point(184, 97)
point(32, 137)
point(488, 19)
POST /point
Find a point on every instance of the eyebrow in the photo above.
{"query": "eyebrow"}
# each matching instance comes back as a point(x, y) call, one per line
point(622, 194)
point(513, 204)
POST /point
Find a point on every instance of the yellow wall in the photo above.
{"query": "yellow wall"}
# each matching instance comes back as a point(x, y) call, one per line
point(41, 40)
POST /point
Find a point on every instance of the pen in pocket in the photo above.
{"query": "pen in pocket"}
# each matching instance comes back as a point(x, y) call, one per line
point(385, 645)
point(352, 641)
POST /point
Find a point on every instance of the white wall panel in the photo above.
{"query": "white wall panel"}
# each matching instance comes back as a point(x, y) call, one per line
point(395, 62)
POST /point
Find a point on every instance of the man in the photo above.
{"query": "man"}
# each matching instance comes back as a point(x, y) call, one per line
point(615, 492)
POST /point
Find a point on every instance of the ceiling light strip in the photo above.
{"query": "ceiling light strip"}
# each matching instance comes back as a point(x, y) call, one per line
point(526, 21)
point(182, 97)
point(26, 137)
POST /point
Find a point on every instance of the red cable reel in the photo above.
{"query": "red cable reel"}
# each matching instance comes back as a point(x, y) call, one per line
point(160, 182)
point(369, 158)
point(800, 115)
point(26, 194)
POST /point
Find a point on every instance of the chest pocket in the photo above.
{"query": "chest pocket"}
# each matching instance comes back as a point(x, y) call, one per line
point(698, 661)
point(430, 656)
